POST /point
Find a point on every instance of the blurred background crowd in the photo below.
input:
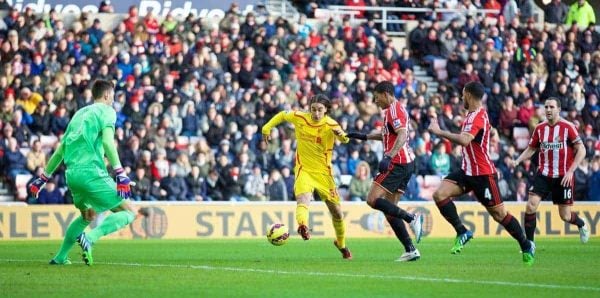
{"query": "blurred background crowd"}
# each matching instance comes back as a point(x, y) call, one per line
point(192, 95)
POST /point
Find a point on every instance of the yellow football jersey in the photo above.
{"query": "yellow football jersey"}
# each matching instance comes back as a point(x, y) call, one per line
point(314, 139)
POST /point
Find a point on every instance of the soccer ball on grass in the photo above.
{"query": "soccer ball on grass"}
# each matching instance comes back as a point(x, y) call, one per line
point(278, 234)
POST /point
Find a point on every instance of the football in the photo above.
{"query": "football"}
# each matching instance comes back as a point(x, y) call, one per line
point(278, 234)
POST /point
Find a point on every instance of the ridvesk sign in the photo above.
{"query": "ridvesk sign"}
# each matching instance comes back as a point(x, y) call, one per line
point(178, 8)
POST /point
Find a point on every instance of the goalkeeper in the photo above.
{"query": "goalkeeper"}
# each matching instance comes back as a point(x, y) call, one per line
point(315, 133)
point(89, 136)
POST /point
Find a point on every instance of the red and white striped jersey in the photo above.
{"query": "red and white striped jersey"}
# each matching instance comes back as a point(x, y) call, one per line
point(555, 144)
point(396, 117)
point(476, 160)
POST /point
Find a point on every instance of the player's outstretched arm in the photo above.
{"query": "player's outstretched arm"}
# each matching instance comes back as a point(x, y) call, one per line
point(273, 122)
point(55, 160)
point(463, 139)
point(123, 181)
point(527, 154)
point(363, 136)
point(340, 134)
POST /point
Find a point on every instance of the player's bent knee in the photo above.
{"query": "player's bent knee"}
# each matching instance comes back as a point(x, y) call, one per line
point(130, 216)
point(371, 202)
point(439, 196)
point(498, 215)
point(565, 216)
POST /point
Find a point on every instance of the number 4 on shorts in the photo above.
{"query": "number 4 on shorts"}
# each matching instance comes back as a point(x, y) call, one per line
point(487, 194)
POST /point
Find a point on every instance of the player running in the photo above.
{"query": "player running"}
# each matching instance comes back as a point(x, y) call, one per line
point(560, 153)
point(477, 173)
point(395, 170)
point(315, 132)
point(88, 138)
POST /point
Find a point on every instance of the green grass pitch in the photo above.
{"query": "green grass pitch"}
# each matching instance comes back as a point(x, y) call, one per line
point(254, 268)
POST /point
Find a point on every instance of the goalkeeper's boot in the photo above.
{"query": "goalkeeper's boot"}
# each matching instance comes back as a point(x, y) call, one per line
point(346, 254)
point(529, 255)
point(55, 262)
point(303, 231)
point(584, 232)
point(460, 241)
point(417, 226)
point(86, 247)
point(409, 256)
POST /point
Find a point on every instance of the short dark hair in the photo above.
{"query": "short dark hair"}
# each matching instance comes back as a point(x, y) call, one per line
point(476, 89)
point(100, 87)
point(385, 87)
point(322, 99)
point(558, 103)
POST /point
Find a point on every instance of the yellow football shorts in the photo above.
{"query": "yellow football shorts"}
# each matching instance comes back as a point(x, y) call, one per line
point(308, 182)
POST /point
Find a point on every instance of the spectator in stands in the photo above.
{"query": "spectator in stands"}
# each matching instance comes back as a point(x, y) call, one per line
point(175, 186)
point(440, 160)
point(417, 37)
point(510, 11)
point(508, 117)
point(20, 128)
point(493, 4)
point(171, 149)
point(467, 75)
point(143, 186)
point(593, 193)
point(106, 7)
point(58, 123)
point(15, 163)
point(36, 157)
point(214, 186)
point(131, 154)
point(276, 188)
point(50, 194)
point(4, 5)
point(28, 100)
point(593, 119)
point(255, 186)
point(352, 162)
point(160, 165)
point(432, 47)
point(41, 120)
point(195, 184)
point(284, 156)
point(361, 182)
point(526, 111)
point(581, 13)
point(555, 12)
point(182, 164)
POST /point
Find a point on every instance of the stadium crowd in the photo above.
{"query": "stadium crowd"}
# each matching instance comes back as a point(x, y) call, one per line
point(191, 96)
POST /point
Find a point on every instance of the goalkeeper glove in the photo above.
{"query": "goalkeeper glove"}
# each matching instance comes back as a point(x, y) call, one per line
point(123, 184)
point(36, 186)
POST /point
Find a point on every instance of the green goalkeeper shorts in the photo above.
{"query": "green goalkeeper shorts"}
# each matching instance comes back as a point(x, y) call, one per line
point(92, 188)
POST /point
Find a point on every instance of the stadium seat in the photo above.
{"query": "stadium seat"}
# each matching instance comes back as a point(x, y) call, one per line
point(439, 68)
point(521, 137)
point(48, 143)
point(345, 180)
point(21, 186)
point(428, 184)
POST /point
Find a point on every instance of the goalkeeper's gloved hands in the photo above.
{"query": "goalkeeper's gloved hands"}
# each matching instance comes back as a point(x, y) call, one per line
point(384, 164)
point(123, 184)
point(36, 186)
point(357, 135)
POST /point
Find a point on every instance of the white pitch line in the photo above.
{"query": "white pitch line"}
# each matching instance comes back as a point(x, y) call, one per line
point(337, 274)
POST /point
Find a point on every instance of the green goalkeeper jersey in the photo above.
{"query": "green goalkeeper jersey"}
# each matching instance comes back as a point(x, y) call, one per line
point(82, 142)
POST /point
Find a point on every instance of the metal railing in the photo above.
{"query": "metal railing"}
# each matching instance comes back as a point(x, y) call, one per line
point(284, 7)
point(352, 11)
